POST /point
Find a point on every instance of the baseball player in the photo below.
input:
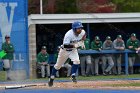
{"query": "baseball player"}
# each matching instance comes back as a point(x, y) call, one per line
point(96, 45)
point(133, 44)
point(73, 39)
point(107, 45)
point(119, 45)
point(42, 61)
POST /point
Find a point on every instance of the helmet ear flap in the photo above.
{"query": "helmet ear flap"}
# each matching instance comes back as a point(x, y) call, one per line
point(74, 29)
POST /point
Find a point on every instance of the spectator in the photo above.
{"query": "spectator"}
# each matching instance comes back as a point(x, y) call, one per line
point(107, 45)
point(8, 47)
point(132, 44)
point(96, 45)
point(42, 61)
point(119, 45)
point(85, 60)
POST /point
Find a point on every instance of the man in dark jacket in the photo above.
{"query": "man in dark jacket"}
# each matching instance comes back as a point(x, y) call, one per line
point(8, 47)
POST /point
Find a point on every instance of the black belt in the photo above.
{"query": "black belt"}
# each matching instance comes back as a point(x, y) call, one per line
point(68, 46)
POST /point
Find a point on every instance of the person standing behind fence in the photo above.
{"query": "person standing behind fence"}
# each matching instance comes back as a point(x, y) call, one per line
point(42, 61)
point(119, 45)
point(133, 44)
point(96, 44)
point(8, 47)
point(86, 60)
point(107, 45)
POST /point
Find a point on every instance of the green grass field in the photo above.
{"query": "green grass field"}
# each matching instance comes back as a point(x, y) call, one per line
point(91, 78)
point(110, 77)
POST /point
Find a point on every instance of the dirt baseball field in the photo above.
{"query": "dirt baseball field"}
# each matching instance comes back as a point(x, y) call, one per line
point(101, 84)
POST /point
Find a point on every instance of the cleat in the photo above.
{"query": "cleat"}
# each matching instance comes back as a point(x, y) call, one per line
point(73, 78)
point(105, 73)
point(96, 74)
point(50, 82)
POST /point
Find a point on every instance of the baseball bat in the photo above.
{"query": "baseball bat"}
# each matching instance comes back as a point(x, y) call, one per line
point(23, 86)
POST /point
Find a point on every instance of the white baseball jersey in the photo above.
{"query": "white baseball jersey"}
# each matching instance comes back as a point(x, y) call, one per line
point(71, 38)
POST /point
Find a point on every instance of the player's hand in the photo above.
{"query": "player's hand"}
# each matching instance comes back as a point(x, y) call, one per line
point(82, 45)
point(136, 49)
point(130, 47)
point(99, 49)
point(121, 48)
point(44, 63)
point(76, 45)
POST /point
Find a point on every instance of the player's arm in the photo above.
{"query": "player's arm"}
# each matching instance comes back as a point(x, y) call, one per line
point(39, 61)
point(84, 37)
point(129, 45)
point(81, 42)
point(115, 45)
point(75, 45)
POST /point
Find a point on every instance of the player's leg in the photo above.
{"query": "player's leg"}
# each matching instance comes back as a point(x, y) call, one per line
point(82, 63)
point(119, 64)
point(130, 62)
point(89, 64)
point(110, 64)
point(6, 63)
point(48, 70)
point(97, 66)
point(75, 58)
point(62, 57)
point(133, 60)
point(92, 66)
point(68, 66)
point(42, 71)
point(104, 64)
point(114, 69)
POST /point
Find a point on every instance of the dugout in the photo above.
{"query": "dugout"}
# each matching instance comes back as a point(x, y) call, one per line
point(49, 29)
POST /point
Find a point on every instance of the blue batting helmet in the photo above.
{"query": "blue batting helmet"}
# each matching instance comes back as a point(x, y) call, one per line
point(76, 25)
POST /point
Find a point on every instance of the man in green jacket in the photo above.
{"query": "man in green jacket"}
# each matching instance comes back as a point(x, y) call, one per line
point(42, 61)
point(85, 60)
point(96, 45)
point(8, 47)
point(132, 44)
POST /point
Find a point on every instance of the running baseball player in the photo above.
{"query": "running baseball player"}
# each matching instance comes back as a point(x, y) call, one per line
point(73, 39)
